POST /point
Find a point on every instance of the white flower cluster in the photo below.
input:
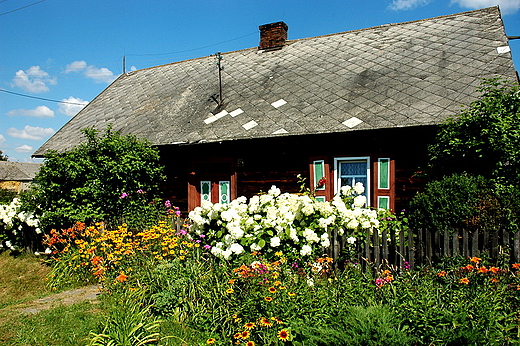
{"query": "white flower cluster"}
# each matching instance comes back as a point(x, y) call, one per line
point(12, 219)
point(276, 221)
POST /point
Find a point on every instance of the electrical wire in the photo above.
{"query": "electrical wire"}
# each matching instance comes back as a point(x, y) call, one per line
point(21, 8)
point(41, 98)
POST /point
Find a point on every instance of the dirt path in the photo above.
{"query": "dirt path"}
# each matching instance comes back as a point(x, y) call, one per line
point(78, 295)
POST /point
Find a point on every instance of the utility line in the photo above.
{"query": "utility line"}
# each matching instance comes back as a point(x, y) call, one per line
point(41, 98)
point(193, 49)
point(21, 8)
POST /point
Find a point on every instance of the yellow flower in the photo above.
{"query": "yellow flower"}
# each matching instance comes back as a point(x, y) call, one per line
point(229, 290)
point(268, 299)
point(249, 325)
point(210, 341)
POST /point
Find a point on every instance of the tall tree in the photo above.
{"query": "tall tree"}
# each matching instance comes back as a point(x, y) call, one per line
point(2, 156)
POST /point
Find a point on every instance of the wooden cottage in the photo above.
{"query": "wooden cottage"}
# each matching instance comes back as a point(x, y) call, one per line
point(357, 106)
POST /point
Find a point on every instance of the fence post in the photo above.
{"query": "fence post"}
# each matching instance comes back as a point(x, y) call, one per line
point(516, 247)
point(456, 249)
point(465, 241)
point(411, 249)
point(447, 252)
point(402, 254)
point(474, 244)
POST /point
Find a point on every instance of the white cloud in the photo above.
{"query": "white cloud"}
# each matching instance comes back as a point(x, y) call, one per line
point(30, 132)
point(24, 149)
point(72, 106)
point(133, 68)
point(34, 80)
point(2, 141)
point(407, 4)
point(506, 6)
point(38, 112)
point(98, 74)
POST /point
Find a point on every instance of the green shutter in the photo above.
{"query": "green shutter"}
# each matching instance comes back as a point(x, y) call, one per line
point(319, 172)
point(384, 173)
point(205, 191)
point(383, 202)
point(223, 192)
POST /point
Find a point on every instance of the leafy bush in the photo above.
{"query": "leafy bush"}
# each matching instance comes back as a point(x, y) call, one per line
point(484, 139)
point(107, 178)
point(464, 201)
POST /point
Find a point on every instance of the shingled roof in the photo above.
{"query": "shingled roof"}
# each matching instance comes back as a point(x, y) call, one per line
point(18, 171)
point(395, 75)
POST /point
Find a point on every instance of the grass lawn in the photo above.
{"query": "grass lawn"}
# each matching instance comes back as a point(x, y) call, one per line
point(22, 280)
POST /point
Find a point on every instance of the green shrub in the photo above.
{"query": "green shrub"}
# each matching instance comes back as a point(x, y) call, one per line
point(110, 178)
point(464, 201)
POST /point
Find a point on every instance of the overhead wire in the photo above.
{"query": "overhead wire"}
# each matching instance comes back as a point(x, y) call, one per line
point(40, 98)
point(21, 8)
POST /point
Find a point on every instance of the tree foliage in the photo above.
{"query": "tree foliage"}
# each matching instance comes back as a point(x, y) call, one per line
point(474, 166)
point(2, 156)
point(484, 139)
point(108, 178)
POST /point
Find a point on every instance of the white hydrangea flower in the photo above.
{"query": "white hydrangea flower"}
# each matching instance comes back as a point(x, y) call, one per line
point(275, 242)
point(359, 201)
point(236, 248)
point(306, 250)
point(351, 240)
point(359, 188)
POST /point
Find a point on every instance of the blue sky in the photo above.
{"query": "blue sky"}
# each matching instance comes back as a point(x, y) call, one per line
point(63, 50)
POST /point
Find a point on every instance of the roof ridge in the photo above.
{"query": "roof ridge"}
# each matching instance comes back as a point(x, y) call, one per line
point(397, 24)
point(320, 36)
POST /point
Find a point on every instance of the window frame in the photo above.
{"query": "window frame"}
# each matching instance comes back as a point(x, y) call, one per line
point(337, 183)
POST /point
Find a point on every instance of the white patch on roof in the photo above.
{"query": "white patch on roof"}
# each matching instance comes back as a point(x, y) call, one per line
point(250, 125)
point(236, 112)
point(504, 49)
point(278, 103)
point(221, 114)
point(216, 117)
point(352, 122)
point(210, 119)
point(280, 131)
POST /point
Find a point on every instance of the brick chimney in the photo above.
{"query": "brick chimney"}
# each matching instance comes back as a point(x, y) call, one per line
point(273, 36)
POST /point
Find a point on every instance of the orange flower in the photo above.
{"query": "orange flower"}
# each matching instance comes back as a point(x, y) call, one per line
point(272, 289)
point(475, 259)
point(277, 283)
point(494, 280)
point(96, 260)
point(494, 270)
point(516, 265)
point(464, 281)
point(231, 281)
point(482, 270)
point(442, 273)
point(122, 277)
point(469, 268)
point(268, 299)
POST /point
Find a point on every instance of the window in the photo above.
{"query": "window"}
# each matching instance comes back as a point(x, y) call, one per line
point(319, 173)
point(383, 202)
point(352, 170)
point(205, 191)
point(384, 173)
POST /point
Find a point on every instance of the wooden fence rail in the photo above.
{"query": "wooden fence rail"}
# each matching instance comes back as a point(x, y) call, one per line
point(424, 247)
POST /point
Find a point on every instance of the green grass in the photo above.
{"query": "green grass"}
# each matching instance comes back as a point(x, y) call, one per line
point(22, 280)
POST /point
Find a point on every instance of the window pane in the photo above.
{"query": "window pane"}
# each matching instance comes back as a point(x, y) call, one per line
point(353, 168)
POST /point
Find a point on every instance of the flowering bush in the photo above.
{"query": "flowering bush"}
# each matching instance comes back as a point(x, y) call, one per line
point(16, 225)
point(298, 225)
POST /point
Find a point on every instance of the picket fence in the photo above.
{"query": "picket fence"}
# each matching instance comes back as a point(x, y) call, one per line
point(415, 248)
